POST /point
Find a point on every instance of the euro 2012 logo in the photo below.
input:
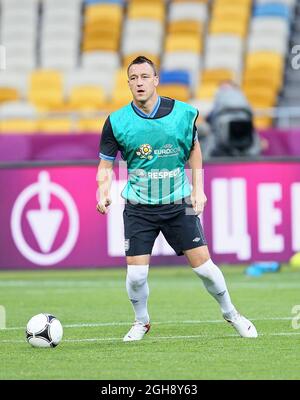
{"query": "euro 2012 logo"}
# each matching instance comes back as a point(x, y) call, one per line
point(145, 151)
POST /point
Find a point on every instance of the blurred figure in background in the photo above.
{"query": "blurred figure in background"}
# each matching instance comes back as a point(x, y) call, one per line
point(230, 125)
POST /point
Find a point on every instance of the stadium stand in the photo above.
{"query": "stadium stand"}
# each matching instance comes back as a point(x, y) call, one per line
point(70, 56)
point(291, 91)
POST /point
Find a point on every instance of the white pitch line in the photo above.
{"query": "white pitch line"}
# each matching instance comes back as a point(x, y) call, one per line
point(158, 338)
point(102, 324)
point(116, 284)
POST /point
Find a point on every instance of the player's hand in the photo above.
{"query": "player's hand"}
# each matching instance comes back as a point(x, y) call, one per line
point(198, 201)
point(103, 205)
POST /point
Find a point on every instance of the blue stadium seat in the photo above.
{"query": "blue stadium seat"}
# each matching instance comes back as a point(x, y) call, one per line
point(177, 77)
point(272, 10)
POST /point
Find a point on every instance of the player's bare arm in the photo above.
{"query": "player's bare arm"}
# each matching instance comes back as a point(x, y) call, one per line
point(198, 197)
point(104, 179)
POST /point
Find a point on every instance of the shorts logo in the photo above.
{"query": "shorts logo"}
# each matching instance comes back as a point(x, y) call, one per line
point(197, 239)
point(145, 151)
point(127, 244)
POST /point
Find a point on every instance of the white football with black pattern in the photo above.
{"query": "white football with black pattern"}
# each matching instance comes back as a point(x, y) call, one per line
point(44, 330)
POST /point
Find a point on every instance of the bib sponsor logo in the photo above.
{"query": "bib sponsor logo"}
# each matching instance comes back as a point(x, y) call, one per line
point(145, 152)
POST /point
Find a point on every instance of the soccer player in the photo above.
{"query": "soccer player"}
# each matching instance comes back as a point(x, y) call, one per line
point(157, 136)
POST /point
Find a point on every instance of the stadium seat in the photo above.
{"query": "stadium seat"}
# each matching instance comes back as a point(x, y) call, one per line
point(18, 125)
point(46, 90)
point(262, 77)
point(183, 42)
point(60, 34)
point(260, 97)
point(86, 98)
point(108, 43)
point(8, 94)
point(130, 57)
point(217, 76)
point(95, 125)
point(270, 25)
point(15, 79)
point(120, 2)
point(55, 125)
point(224, 43)
point(235, 27)
point(101, 60)
point(103, 12)
point(232, 62)
point(184, 60)
point(121, 93)
point(178, 92)
point(17, 109)
point(143, 27)
point(206, 91)
point(141, 44)
point(185, 27)
point(146, 10)
point(190, 11)
point(103, 78)
point(226, 3)
point(178, 77)
point(272, 10)
point(258, 60)
point(267, 43)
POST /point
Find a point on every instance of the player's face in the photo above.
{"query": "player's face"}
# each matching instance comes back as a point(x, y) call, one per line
point(142, 82)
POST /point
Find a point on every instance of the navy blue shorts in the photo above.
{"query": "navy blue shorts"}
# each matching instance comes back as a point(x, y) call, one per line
point(178, 223)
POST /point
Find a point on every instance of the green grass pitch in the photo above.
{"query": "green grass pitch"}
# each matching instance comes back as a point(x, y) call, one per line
point(188, 338)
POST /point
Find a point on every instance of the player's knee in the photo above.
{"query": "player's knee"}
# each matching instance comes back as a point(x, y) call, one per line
point(138, 260)
point(197, 256)
point(137, 276)
point(137, 283)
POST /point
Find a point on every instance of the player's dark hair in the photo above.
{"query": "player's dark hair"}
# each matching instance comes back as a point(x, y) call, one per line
point(142, 60)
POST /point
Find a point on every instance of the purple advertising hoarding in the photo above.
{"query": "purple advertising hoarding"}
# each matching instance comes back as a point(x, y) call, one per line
point(49, 220)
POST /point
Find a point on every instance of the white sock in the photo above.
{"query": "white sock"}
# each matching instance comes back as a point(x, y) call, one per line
point(138, 290)
point(215, 284)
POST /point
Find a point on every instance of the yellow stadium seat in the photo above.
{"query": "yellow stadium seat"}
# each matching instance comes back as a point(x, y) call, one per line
point(178, 92)
point(217, 76)
point(21, 126)
point(235, 27)
point(189, 1)
point(86, 98)
point(46, 99)
point(46, 90)
point(229, 15)
point(121, 79)
point(265, 60)
point(92, 29)
point(130, 57)
point(206, 91)
point(183, 42)
point(146, 1)
point(91, 125)
point(120, 98)
point(233, 3)
point(183, 27)
point(58, 125)
point(263, 77)
point(101, 36)
point(263, 122)
point(8, 94)
point(45, 78)
point(261, 97)
point(100, 43)
point(121, 94)
point(146, 10)
point(104, 12)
